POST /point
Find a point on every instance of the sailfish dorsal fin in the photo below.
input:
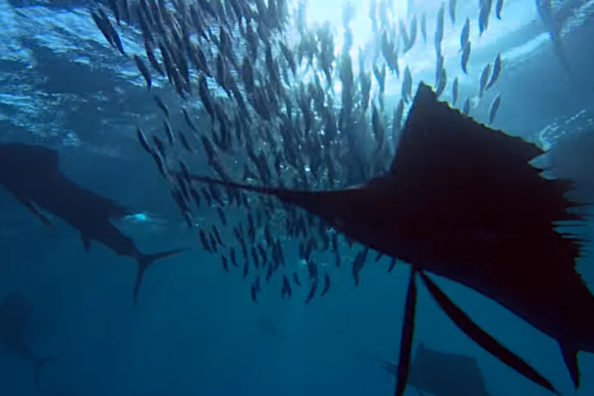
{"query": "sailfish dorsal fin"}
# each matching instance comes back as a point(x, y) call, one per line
point(434, 130)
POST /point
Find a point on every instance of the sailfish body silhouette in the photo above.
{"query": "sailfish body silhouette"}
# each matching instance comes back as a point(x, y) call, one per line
point(463, 201)
point(15, 322)
point(32, 175)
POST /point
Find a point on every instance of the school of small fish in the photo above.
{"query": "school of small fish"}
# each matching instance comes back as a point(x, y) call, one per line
point(264, 109)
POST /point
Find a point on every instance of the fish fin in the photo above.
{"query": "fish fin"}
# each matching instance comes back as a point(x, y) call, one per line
point(85, 241)
point(408, 329)
point(144, 262)
point(570, 357)
point(33, 209)
point(40, 365)
point(484, 340)
point(421, 147)
point(389, 367)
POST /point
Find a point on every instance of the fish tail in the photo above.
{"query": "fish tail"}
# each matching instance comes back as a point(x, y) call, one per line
point(144, 262)
point(40, 365)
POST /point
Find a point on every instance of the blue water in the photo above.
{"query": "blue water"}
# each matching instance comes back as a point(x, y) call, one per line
point(195, 330)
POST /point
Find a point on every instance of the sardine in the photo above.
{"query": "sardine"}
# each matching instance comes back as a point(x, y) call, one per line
point(169, 132)
point(498, 8)
point(424, 27)
point(144, 71)
point(161, 105)
point(465, 34)
point(452, 9)
point(407, 85)
point(494, 108)
point(496, 71)
point(443, 80)
point(485, 74)
point(439, 30)
point(143, 141)
point(465, 57)
point(466, 108)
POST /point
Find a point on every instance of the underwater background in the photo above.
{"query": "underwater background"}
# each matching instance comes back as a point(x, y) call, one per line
point(195, 330)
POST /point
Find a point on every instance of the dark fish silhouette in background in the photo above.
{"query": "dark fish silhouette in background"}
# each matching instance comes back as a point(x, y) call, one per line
point(464, 202)
point(442, 374)
point(553, 25)
point(15, 324)
point(31, 174)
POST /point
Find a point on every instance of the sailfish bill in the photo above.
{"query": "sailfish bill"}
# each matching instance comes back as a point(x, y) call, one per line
point(464, 202)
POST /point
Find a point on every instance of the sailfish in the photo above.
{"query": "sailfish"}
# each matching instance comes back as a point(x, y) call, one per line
point(442, 373)
point(32, 174)
point(15, 324)
point(465, 202)
point(553, 23)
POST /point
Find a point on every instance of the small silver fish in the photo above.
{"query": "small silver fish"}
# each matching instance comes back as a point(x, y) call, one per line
point(412, 34)
point(455, 91)
point(439, 30)
point(465, 57)
point(144, 71)
point(404, 36)
point(498, 8)
point(452, 9)
point(169, 132)
point(143, 140)
point(161, 105)
point(493, 109)
point(438, 67)
point(407, 85)
point(465, 34)
point(398, 113)
point(485, 74)
point(484, 15)
point(466, 108)
point(496, 71)
point(424, 27)
point(443, 80)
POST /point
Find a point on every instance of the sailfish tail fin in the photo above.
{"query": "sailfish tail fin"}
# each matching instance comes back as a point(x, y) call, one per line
point(144, 262)
point(40, 365)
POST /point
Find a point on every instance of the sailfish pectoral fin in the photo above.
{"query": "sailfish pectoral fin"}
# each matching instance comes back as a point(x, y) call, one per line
point(484, 340)
point(406, 340)
point(571, 361)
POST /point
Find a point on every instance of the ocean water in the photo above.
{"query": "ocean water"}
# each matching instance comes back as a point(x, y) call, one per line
point(195, 329)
